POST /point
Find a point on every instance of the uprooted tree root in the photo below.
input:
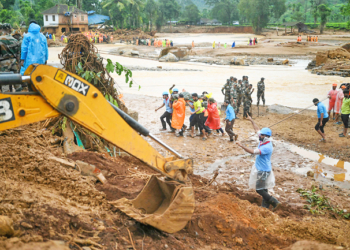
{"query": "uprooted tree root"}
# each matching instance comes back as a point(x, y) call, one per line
point(80, 50)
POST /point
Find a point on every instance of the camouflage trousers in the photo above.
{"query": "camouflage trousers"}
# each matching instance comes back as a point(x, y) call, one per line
point(246, 108)
point(262, 95)
point(238, 103)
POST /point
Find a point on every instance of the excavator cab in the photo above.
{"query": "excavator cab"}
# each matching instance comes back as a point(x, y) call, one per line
point(167, 202)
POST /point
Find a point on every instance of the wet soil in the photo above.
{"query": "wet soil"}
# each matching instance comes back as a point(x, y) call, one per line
point(51, 204)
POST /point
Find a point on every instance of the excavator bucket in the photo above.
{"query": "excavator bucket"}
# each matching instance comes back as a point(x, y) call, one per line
point(167, 206)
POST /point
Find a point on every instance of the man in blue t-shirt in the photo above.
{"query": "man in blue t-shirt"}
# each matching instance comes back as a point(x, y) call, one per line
point(263, 165)
point(168, 112)
point(323, 118)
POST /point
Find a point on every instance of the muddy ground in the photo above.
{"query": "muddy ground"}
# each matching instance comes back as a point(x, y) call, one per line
point(54, 207)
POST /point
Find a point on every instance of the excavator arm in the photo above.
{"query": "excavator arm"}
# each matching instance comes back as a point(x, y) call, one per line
point(166, 205)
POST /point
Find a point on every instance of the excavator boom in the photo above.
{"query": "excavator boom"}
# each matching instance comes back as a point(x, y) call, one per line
point(166, 205)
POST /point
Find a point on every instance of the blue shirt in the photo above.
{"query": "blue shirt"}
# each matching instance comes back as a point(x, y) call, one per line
point(230, 113)
point(167, 107)
point(321, 108)
point(263, 161)
point(192, 109)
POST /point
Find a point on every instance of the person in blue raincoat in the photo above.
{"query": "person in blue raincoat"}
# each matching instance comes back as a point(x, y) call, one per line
point(34, 47)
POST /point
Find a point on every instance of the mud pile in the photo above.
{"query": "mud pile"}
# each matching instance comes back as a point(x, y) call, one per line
point(129, 35)
point(332, 62)
point(54, 207)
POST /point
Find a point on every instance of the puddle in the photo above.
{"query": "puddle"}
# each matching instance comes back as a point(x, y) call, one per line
point(323, 166)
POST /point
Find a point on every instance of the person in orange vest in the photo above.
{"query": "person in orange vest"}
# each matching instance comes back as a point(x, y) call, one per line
point(149, 42)
point(192, 44)
point(100, 39)
point(316, 39)
point(111, 39)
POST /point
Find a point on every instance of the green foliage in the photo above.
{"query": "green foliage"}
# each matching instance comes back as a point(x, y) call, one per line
point(320, 204)
point(89, 76)
point(324, 11)
point(191, 13)
point(120, 69)
point(225, 10)
point(259, 12)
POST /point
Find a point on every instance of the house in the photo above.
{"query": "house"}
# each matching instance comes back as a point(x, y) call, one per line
point(96, 19)
point(63, 18)
point(205, 21)
point(301, 26)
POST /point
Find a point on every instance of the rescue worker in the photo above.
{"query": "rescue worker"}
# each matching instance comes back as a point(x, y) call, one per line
point(261, 91)
point(34, 47)
point(178, 118)
point(168, 112)
point(323, 118)
point(213, 120)
point(226, 90)
point(198, 116)
point(247, 101)
point(10, 52)
point(233, 95)
point(239, 95)
point(230, 120)
point(332, 96)
point(261, 176)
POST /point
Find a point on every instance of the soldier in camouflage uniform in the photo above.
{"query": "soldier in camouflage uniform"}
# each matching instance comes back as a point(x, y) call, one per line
point(261, 91)
point(234, 97)
point(10, 52)
point(239, 94)
point(226, 90)
point(247, 101)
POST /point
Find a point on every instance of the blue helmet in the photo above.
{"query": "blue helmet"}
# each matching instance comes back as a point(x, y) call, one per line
point(165, 93)
point(176, 89)
point(266, 131)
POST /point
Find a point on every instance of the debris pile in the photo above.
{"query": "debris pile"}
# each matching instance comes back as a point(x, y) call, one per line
point(127, 35)
point(332, 62)
point(79, 52)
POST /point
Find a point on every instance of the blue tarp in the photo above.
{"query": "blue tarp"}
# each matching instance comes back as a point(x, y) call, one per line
point(97, 19)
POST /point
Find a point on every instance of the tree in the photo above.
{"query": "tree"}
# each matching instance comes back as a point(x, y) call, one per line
point(345, 11)
point(258, 12)
point(151, 10)
point(169, 9)
point(225, 11)
point(191, 13)
point(324, 12)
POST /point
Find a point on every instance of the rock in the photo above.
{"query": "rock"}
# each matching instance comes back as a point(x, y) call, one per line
point(6, 226)
point(159, 67)
point(307, 245)
point(26, 225)
point(321, 57)
point(101, 228)
point(285, 62)
point(135, 53)
point(279, 109)
point(347, 47)
point(338, 53)
point(240, 62)
point(310, 173)
point(134, 115)
point(86, 248)
point(170, 57)
point(270, 59)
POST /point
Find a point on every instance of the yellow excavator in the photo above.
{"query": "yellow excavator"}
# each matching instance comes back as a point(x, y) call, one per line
point(166, 203)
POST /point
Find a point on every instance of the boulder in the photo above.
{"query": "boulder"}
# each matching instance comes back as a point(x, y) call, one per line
point(321, 57)
point(270, 59)
point(347, 47)
point(338, 53)
point(135, 53)
point(170, 57)
point(279, 109)
point(285, 62)
point(237, 61)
